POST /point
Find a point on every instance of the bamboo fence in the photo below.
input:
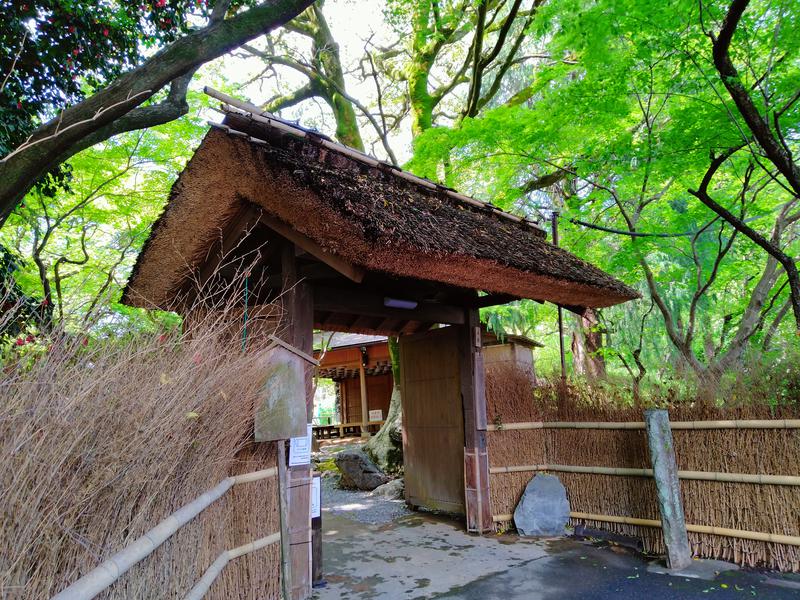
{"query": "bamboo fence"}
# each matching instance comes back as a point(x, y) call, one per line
point(105, 574)
point(739, 500)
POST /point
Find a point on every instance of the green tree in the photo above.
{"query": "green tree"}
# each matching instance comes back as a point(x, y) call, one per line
point(613, 137)
point(127, 89)
point(76, 249)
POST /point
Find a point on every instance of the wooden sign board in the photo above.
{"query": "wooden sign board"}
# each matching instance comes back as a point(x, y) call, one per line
point(281, 413)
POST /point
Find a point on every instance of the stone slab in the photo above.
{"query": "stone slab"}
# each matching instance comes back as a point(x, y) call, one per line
point(543, 510)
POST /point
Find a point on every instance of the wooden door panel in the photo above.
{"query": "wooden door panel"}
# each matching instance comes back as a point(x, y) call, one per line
point(433, 421)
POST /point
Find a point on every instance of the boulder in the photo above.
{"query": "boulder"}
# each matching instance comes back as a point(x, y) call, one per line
point(358, 471)
point(543, 509)
point(393, 490)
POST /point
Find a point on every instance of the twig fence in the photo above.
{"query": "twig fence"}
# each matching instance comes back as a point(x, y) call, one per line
point(104, 575)
point(755, 478)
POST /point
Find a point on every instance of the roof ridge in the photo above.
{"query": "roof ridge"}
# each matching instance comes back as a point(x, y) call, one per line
point(235, 106)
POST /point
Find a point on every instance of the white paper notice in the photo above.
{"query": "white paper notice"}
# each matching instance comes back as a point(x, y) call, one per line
point(316, 497)
point(300, 450)
point(376, 415)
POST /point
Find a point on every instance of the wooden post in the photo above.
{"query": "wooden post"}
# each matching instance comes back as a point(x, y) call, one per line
point(473, 396)
point(298, 304)
point(554, 223)
point(362, 375)
point(283, 499)
point(665, 471)
point(316, 539)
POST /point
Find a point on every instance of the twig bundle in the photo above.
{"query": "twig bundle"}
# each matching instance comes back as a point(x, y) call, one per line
point(743, 506)
point(102, 441)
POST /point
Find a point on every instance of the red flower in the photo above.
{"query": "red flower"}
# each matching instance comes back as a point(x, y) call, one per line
point(20, 342)
point(105, 32)
point(19, 105)
point(85, 342)
point(72, 28)
point(30, 339)
point(162, 338)
point(161, 3)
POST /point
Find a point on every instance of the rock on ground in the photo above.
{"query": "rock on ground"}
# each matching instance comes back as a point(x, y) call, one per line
point(358, 471)
point(543, 509)
point(391, 491)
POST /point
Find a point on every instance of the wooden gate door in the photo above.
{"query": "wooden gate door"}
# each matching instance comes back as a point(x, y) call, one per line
point(433, 420)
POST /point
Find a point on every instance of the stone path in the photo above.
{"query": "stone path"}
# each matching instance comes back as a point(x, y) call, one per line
point(374, 552)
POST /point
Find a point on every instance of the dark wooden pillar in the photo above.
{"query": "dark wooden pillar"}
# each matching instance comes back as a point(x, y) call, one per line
point(473, 395)
point(297, 329)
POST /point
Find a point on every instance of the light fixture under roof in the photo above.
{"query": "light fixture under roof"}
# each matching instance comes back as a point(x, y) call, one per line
point(397, 303)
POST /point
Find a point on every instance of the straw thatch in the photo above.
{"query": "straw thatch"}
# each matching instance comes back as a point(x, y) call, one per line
point(366, 215)
point(742, 506)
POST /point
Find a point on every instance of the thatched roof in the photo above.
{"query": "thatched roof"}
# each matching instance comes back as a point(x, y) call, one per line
point(336, 340)
point(369, 214)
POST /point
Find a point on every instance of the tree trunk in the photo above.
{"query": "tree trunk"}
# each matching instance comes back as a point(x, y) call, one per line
point(385, 448)
point(587, 345)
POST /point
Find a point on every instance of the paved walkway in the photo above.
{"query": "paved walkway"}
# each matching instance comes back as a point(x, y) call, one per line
point(425, 556)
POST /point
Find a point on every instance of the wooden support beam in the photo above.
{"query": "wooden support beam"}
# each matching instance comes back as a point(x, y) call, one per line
point(493, 300)
point(283, 511)
point(347, 269)
point(297, 299)
point(473, 395)
point(357, 302)
point(239, 226)
point(362, 376)
point(578, 310)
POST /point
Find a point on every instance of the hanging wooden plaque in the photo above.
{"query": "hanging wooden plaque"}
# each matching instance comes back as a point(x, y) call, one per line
point(281, 413)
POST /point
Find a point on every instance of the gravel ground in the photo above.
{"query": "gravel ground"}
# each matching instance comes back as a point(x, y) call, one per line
point(360, 506)
point(355, 505)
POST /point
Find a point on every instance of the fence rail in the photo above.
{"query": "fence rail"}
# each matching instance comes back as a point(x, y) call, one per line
point(696, 475)
point(776, 538)
point(675, 425)
point(204, 583)
point(102, 576)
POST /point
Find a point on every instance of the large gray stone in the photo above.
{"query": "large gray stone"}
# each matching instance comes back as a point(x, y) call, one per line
point(543, 509)
point(358, 471)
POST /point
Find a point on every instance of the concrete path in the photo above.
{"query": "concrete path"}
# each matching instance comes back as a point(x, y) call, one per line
point(426, 556)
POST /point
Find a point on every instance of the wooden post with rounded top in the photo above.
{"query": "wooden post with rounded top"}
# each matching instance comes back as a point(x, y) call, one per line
point(362, 375)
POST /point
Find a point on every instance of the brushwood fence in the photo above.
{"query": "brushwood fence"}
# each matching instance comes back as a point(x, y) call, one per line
point(740, 481)
point(227, 548)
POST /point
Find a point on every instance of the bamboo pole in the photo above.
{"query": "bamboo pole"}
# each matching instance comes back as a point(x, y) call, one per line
point(204, 583)
point(102, 576)
point(775, 538)
point(729, 424)
point(695, 475)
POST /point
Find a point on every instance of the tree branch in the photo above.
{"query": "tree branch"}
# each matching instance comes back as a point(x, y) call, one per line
point(18, 172)
point(758, 125)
